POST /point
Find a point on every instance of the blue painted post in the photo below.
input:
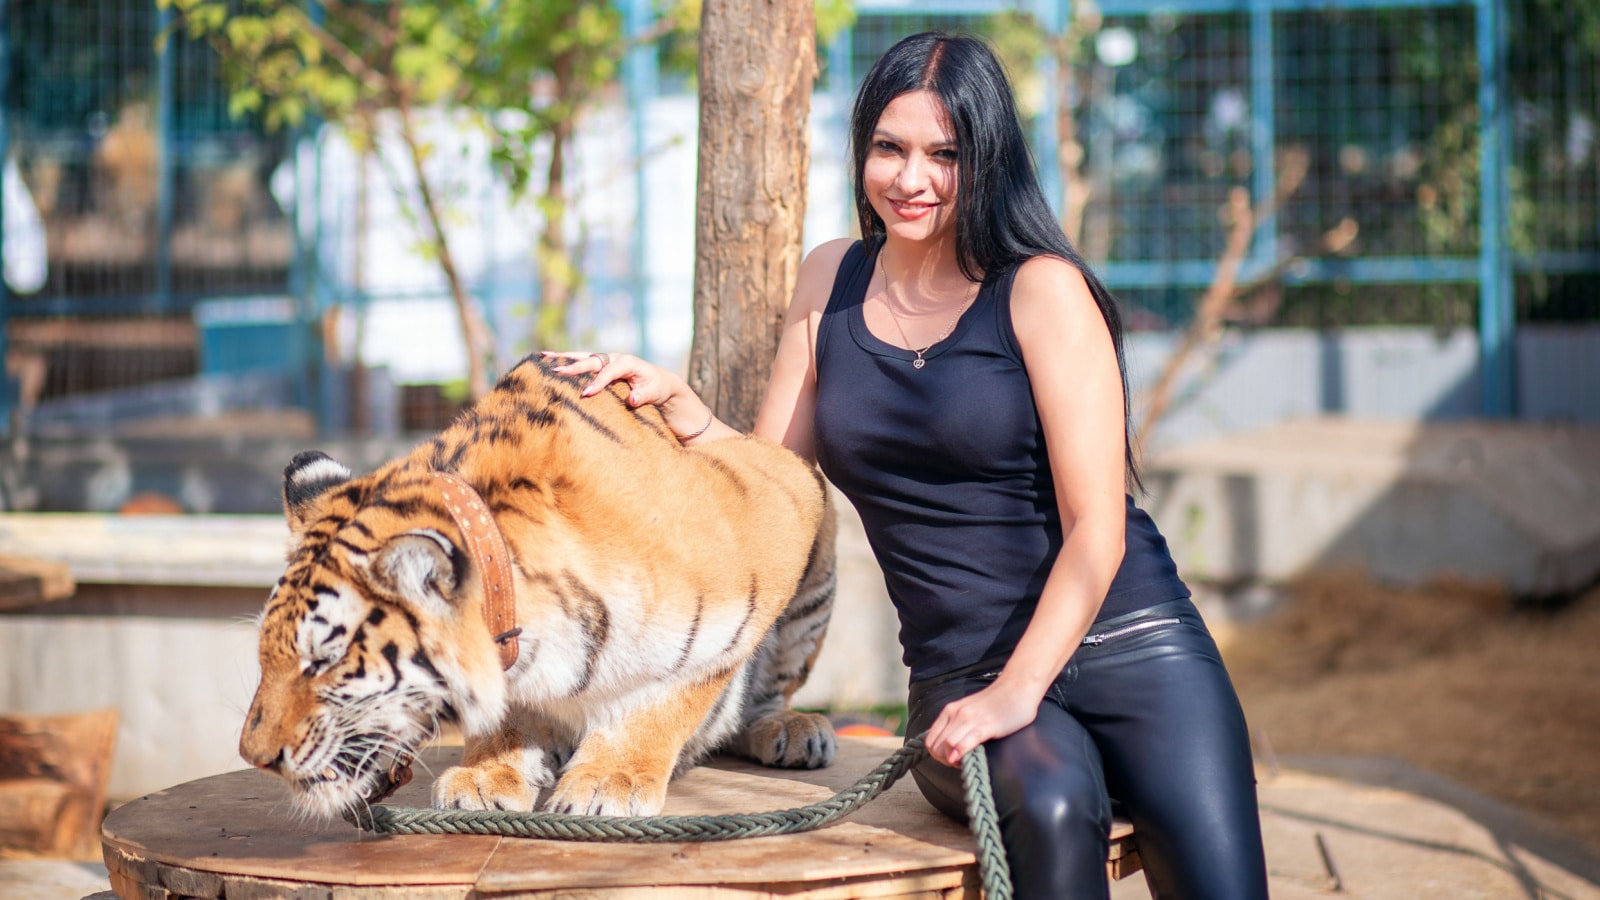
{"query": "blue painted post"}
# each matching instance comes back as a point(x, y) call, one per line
point(165, 129)
point(640, 77)
point(1263, 128)
point(1496, 289)
point(1051, 16)
point(5, 150)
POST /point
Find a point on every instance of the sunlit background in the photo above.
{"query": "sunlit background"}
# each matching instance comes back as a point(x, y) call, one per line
point(1357, 244)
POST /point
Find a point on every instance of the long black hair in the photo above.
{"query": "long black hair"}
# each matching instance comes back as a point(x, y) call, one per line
point(1002, 218)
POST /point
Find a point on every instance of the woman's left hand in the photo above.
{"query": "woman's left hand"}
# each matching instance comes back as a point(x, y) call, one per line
point(994, 712)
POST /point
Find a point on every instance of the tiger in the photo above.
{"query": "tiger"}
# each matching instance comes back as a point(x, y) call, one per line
point(669, 601)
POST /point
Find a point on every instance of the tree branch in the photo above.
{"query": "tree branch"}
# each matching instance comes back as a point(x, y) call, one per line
point(1219, 295)
point(349, 59)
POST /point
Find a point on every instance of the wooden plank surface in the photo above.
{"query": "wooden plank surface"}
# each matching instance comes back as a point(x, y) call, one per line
point(239, 826)
point(26, 581)
point(241, 823)
point(896, 833)
point(220, 550)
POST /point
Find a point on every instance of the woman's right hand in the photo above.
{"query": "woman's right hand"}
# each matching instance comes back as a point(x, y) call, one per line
point(648, 385)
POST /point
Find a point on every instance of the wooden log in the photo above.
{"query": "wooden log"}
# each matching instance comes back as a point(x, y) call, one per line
point(25, 581)
point(53, 773)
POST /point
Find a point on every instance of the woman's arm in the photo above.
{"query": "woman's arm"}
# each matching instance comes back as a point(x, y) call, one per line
point(1077, 388)
point(790, 403)
point(790, 398)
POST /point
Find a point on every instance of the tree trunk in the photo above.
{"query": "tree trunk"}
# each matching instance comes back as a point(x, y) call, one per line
point(757, 66)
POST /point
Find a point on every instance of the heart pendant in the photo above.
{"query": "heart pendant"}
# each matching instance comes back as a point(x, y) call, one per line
point(918, 363)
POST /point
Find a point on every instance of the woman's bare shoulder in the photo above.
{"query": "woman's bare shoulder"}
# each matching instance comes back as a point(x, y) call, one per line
point(1050, 287)
point(824, 259)
point(1048, 273)
point(817, 271)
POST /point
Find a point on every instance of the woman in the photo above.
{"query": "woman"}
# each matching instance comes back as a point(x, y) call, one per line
point(958, 375)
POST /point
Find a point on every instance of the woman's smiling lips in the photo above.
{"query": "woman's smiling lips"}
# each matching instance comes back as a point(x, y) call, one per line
point(911, 210)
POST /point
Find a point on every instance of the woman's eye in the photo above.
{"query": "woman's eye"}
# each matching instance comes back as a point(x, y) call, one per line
point(885, 147)
point(945, 155)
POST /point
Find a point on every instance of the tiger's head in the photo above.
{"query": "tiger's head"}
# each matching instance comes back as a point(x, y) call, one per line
point(369, 640)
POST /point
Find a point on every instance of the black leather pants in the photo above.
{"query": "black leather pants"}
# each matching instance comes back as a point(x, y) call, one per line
point(1148, 717)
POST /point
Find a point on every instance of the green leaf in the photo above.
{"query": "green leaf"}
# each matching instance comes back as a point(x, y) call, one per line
point(244, 102)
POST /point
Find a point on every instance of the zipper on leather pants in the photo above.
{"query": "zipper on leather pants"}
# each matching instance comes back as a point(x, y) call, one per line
point(1100, 637)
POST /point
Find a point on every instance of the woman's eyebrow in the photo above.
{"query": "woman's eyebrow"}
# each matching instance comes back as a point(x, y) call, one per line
point(881, 134)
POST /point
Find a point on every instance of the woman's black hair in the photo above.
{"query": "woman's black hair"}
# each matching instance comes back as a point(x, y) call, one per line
point(1002, 218)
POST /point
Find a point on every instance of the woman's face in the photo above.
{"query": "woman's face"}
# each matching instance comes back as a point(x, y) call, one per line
point(910, 172)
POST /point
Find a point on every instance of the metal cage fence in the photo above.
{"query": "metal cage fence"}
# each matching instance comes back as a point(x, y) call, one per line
point(149, 196)
point(1381, 99)
point(1434, 162)
point(1450, 153)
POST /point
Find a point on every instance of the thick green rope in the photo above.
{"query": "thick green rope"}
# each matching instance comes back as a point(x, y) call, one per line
point(985, 824)
point(667, 829)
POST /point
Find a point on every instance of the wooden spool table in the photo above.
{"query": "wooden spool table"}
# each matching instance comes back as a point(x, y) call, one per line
point(234, 836)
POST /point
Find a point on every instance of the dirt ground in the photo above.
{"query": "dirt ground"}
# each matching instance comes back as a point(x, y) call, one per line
point(1500, 697)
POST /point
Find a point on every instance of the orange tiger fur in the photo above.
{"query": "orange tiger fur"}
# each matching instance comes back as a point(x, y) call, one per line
point(653, 582)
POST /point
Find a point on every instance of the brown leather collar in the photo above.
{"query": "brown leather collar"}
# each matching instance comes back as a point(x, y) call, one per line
point(486, 547)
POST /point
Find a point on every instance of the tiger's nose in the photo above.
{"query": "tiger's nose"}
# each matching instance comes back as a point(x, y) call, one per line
point(258, 748)
point(269, 761)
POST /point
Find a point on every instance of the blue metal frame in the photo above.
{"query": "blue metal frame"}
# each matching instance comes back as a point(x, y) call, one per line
point(5, 150)
point(165, 144)
point(1198, 273)
point(1191, 7)
point(1263, 130)
point(1497, 316)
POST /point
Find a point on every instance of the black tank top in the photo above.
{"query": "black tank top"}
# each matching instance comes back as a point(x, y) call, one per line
point(947, 467)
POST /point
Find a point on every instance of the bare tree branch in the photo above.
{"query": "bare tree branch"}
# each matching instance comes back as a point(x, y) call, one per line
point(1205, 326)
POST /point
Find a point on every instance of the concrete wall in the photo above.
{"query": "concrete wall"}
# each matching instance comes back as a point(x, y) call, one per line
point(177, 662)
point(1513, 505)
point(162, 628)
point(1248, 380)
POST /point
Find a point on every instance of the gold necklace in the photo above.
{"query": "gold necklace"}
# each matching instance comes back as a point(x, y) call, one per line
point(919, 362)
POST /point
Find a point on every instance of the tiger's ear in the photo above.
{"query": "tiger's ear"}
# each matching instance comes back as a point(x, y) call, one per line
point(420, 566)
point(308, 476)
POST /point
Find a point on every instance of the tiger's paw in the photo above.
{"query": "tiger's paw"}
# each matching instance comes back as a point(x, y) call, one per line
point(790, 739)
point(487, 786)
point(593, 791)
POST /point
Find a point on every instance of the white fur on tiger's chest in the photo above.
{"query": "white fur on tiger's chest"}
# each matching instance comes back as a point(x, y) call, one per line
point(567, 657)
